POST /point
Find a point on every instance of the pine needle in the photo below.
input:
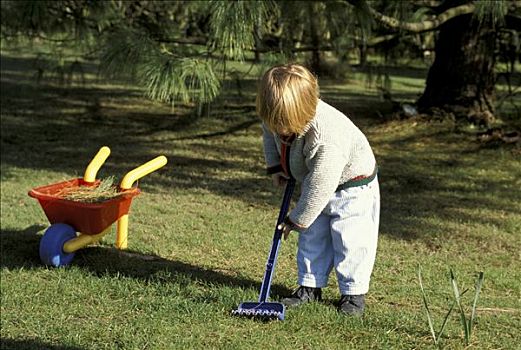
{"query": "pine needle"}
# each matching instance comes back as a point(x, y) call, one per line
point(106, 190)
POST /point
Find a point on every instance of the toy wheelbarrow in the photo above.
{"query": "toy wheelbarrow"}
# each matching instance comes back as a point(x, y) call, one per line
point(76, 224)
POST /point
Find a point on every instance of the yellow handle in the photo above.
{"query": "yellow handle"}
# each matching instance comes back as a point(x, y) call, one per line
point(122, 232)
point(95, 164)
point(83, 240)
point(127, 182)
point(145, 169)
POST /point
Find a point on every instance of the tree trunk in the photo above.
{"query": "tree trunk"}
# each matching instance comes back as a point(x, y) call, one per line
point(316, 53)
point(258, 41)
point(461, 79)
point(363, 53)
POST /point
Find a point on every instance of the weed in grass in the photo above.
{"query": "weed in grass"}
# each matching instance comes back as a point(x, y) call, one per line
point(467, 324)
point(435, 337)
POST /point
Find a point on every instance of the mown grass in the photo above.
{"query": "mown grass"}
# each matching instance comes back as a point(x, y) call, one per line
point(201, 230)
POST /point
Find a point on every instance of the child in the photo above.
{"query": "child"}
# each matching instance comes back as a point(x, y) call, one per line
point(337, 213)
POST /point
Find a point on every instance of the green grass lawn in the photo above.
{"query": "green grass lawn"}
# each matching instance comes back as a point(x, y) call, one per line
point(201, 231)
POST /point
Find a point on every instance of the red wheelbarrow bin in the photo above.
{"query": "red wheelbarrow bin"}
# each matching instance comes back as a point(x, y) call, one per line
point(76, 224)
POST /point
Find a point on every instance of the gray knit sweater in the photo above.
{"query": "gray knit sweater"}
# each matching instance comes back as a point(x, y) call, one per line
point(331, 151)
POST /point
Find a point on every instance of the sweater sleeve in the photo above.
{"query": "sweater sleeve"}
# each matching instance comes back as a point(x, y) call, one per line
point(271, 155)
point(325, 164)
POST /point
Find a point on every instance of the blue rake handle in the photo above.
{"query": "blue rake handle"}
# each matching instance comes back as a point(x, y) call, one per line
point(272, 259)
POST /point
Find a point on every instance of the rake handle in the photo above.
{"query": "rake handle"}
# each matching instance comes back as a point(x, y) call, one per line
point(272, 259)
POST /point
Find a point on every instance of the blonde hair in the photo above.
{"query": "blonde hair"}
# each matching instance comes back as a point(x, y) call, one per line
point(287, 98)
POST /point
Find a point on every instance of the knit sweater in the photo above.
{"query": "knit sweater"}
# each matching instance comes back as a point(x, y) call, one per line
point(330, 151)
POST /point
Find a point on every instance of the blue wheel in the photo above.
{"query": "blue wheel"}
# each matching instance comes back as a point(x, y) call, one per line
point(51, 245)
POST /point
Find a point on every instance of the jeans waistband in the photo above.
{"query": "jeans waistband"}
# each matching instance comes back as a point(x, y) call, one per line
point(358, 181)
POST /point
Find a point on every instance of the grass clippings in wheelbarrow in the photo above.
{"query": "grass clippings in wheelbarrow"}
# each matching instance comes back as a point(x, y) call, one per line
point(104, 191)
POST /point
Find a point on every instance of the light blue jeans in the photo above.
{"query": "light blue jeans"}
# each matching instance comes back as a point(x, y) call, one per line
point(344, 236)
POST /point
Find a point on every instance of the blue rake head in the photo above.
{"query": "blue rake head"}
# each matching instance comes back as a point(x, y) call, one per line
point(261, 310)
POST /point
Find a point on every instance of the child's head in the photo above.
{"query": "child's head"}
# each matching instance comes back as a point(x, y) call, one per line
point(287, 98)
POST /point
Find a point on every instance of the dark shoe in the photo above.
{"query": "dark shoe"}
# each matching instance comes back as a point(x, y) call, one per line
point(352, 305)
point(303, 295)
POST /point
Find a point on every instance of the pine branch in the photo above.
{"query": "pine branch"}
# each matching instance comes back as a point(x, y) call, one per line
point(233, 25)
point(417, 27)
point(167, 76)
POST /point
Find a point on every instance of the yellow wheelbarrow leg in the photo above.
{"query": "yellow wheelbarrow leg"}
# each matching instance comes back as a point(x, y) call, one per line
point(83, 240)
point(126, 183)
point(95, 164)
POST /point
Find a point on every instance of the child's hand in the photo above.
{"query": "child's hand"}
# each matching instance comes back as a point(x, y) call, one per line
point(279, 179)
point(286, 229)
point(287, 226)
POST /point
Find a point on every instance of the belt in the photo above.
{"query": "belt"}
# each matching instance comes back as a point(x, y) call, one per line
point(358, 181)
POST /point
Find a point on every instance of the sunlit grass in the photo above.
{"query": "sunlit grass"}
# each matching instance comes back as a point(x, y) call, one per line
point(201, 230)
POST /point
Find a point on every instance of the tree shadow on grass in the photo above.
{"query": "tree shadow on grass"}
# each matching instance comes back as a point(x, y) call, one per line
point(20, 250)
point(59, 128)
point(102, 261)
point(32, 344)
point(426, 191)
